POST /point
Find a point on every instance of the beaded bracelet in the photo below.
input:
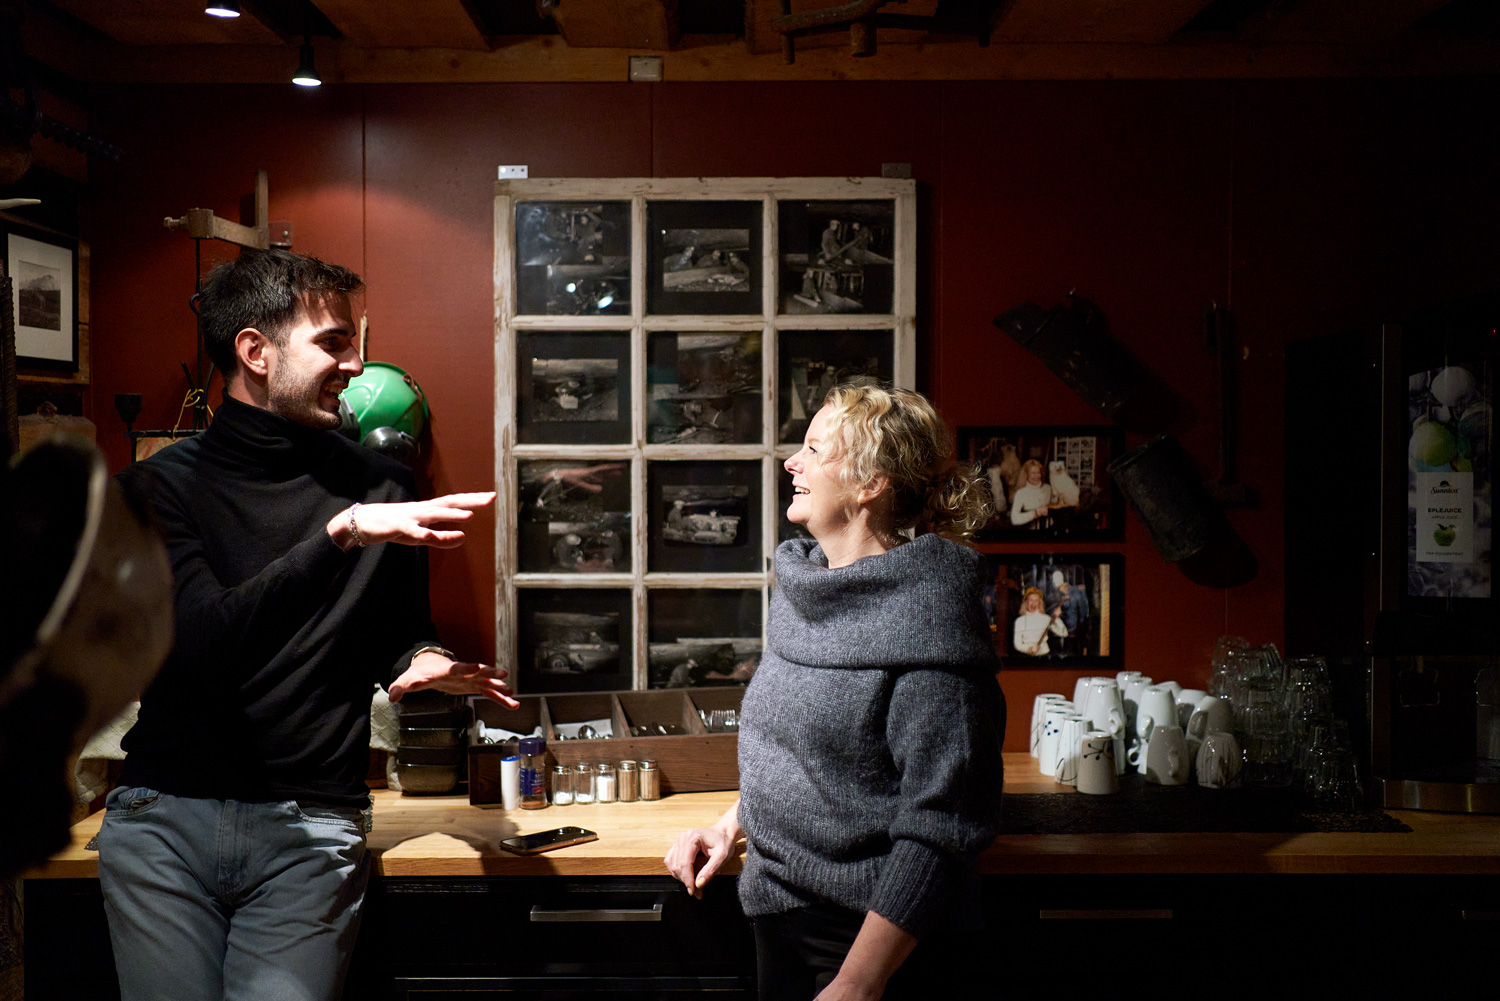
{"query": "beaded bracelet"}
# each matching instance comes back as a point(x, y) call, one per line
point(354, 528)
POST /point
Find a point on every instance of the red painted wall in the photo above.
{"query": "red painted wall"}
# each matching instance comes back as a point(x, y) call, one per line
point(1309, 206)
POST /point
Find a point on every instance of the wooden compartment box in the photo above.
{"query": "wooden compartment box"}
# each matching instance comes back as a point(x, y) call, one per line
point(693, 760)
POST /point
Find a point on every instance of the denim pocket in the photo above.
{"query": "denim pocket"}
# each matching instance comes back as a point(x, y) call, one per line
point(130, 801)
point(347, 817)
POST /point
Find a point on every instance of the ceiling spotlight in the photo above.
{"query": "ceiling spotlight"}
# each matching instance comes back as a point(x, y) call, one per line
point(222, 8)
point(307, 73)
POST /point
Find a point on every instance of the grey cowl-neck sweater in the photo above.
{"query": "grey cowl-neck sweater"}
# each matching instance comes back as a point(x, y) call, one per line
point(869, 748)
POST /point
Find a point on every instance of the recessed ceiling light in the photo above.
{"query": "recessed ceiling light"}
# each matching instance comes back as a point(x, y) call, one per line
point(222, 8)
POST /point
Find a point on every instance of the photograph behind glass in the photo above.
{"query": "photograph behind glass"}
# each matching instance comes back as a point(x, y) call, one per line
point(703, 388)
point(573, 258)
point(837, 256)
point(572, 388)
point(704, 517)
point(703, 637)
point(574, 640)
point(574, 516)
point(704, 257)
point(811, 362)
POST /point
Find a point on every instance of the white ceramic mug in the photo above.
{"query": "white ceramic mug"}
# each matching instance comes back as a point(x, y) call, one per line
point(1213, 713)
point(1052, 722)
point(1097, 774)
point(1107, 713)
point(1187, 704)
point(1038, 712)
point(1166, 756)
point(1220, 761)
point(1157, 708)
point(1069, 741)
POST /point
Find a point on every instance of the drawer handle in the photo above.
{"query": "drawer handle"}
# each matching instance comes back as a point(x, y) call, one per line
point(652, 913)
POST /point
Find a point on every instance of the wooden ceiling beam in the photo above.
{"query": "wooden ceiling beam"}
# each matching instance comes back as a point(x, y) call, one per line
point(617, 24)
point(168, 22)
point(1334, 21)
point(548, 60)
point(1093, 20)
point(443, 24)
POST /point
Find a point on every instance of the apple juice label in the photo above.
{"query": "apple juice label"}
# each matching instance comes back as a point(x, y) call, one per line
point(1445, 517)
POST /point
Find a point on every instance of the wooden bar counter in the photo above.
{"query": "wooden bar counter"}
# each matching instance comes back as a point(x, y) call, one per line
point(439, 836)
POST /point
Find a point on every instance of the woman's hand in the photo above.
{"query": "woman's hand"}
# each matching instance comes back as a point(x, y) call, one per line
point(713, 845)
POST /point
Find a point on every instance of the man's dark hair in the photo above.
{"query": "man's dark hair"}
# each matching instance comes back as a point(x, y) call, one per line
point(262, 289)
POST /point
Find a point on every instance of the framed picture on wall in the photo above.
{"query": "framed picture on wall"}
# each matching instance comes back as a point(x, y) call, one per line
point(704, 257)
point(836, 256)
point(43, 268)
point(1047, 482)
point(572, 388)
point(573, 258)
point(811, 362)
point(704, 388)
point(573, 516)
point(703, 636)
point(704, 517)
point(1062, 610)
point(576, 640)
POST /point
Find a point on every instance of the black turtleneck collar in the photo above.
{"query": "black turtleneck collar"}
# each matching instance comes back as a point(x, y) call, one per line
point(259, 437)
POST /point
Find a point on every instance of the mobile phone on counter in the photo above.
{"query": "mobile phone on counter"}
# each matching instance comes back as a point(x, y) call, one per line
point(545, 841)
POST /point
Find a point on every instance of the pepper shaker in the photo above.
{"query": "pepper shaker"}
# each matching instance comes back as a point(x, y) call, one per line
point(650, 780)
point(630, 782)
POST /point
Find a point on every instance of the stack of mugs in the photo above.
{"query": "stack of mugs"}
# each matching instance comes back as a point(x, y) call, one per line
point(1165, 732)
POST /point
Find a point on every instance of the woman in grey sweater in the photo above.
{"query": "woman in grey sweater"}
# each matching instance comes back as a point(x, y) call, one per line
point(870, 767)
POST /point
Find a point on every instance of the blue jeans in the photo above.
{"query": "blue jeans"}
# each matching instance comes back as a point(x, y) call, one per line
point(219, 899)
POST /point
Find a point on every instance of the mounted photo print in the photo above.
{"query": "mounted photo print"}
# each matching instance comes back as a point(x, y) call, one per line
point(705, 517)
point(572, 388)
point(703, 636)
point(704, 258)
point(1063, 610)
point(578, 640)
point(703, 388)
point(1047, 482)
point(573, 516)
point(811, 362)
point(43, 269)
point(837, 256)
point(573, 258)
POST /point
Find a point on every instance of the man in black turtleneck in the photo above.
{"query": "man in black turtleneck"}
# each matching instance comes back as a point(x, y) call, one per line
point(232, 854)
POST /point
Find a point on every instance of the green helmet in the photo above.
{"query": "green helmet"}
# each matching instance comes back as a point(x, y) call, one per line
point(385, 396)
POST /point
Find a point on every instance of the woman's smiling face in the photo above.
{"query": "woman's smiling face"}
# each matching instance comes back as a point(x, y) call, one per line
point(821, 501)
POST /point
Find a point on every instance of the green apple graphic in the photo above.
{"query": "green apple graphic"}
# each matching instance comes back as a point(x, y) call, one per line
point(1444, 535)
point(1433, 443)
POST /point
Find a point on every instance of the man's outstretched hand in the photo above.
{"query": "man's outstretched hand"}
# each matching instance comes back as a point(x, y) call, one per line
point(414, 523)
point(430, 669)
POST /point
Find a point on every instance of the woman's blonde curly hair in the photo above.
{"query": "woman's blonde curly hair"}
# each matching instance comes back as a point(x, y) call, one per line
point(879, 429)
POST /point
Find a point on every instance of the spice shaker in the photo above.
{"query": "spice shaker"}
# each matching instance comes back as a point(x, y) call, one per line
point(562, 785)
point(630, 782)
point(583, 782)
point(650, 780)
point(510, 781)
point(604, 783)
point(533, 773)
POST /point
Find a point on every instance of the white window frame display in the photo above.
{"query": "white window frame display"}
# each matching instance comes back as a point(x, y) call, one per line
point(770, 324)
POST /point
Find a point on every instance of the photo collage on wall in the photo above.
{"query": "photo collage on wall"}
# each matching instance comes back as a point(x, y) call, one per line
point(719, 339)
point(1046, 482)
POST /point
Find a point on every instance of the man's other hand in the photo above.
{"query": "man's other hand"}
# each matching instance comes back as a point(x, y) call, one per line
point(415, 523)
point(456, 677)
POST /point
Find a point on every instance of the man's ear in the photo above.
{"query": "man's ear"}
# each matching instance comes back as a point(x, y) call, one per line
point(251, 350)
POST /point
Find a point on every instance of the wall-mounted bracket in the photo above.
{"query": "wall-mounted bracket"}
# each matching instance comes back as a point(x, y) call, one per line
point(202, 224)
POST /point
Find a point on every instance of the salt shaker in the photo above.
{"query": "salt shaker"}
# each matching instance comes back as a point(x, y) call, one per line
point(533, 773)
point(583, 782)
point(562, 785)
point(604, 783)
point(630, 782)
point(650, 780)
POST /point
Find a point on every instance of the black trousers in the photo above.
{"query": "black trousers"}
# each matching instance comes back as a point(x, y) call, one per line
point(798, 953)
